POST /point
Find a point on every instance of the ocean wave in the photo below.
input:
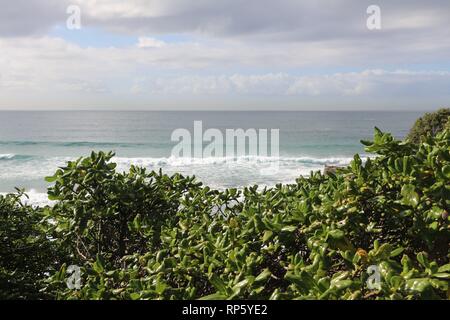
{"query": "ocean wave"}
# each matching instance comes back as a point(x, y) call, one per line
point(7, 156)
point(11, 156)
point(72, 144)
point(218, 173)
point(25, 166)
point(215, 172)
point(182, 161)
point(34, 198)
point(18, 143)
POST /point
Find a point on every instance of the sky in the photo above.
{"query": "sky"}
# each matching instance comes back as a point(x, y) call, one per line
point(224, 55)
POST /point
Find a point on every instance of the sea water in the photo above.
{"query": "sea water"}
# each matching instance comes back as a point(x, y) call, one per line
point(33, 144)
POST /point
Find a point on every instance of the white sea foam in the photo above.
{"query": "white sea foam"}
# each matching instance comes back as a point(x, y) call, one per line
point(7, 156)
point(37, 168)
point(34, 198)
point(219, 173)
point(180, 161)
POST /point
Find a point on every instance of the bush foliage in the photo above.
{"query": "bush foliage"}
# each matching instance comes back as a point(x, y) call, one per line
point(429, 125)
point(26, 255)
point(145, 235)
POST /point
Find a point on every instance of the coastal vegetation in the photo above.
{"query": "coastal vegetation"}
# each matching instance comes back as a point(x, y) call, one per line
point(429, 125)
point(146, 235)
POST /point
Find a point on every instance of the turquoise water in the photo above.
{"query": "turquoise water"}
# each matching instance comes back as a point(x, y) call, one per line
point(34, 144)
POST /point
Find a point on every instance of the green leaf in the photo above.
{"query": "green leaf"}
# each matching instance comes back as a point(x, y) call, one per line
point(214, 296)
point(51, 178)
point(397, 251)
point(410, 196)
point(137, 222)
point(442, 275)
point(422, 258)
point(267, 235)
point(263, 276)
point(52, 197)
point(366, 142)
point(297, 280)
point(289, 229)
point(336, 234)
point(240, 285)
point(218, 283)
point(446, 171)
point(135, 296)
point(98, 265)
point(160, 287)
point(396, 282)
point(419, 285)
point(342, 284)
point(444, 268)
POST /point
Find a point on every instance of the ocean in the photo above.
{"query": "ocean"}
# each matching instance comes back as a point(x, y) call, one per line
point(34, 143)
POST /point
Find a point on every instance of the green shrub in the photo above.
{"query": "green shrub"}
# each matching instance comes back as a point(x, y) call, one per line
point(311, 240)
point(27, 256)
point(100, 211)
point(429, 125)
point(140, 235)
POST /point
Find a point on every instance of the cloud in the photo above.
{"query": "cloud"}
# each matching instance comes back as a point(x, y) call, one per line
point(284, 19)
point(316, 32)
point(368, 83)
point(146, 42)
point(260, 48)
point(30, 17)
point(51, 68)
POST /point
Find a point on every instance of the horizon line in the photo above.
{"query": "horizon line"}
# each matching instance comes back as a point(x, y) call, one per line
point(216, 110)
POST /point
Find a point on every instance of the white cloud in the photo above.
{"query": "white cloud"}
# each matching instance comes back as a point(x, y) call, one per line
point(146, 42)
point(265, 48)
point(286, 19)
point(370, 83)
point(55, 66)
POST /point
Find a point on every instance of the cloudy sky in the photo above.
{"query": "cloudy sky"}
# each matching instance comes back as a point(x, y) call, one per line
point(224, 54)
